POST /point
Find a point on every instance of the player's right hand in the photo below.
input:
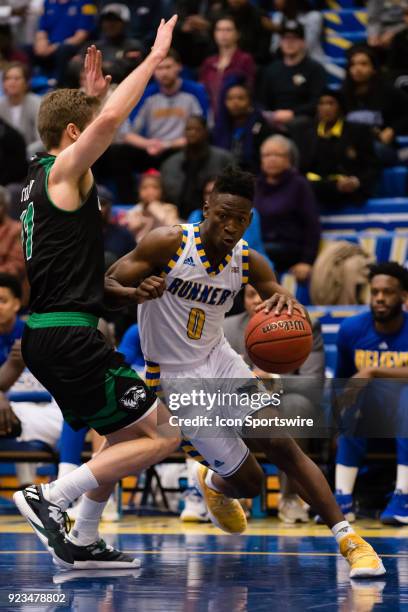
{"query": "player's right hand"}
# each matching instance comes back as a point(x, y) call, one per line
point(163, 38)
point(151, 288)
point(8, 420)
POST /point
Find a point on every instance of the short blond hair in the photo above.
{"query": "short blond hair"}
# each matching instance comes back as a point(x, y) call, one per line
point(61, 107)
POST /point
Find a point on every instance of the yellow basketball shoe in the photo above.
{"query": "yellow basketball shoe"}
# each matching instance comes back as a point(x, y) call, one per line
point(364, 561)
point(225, 513)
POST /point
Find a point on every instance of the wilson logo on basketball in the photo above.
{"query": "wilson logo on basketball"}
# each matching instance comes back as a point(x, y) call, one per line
point(286, 325)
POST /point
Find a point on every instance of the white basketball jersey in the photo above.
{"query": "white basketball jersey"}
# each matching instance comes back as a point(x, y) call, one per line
point(183, 326)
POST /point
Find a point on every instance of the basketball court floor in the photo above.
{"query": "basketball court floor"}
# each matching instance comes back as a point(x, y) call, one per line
point(196, 568)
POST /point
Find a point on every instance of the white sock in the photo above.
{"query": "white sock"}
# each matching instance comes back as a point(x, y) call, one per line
point(402, 478)
point(209, 482)
point(345, 479)
point(26, 473)
point(341, 529)
point(65, 468)
point(64, 490)
point(85, 530)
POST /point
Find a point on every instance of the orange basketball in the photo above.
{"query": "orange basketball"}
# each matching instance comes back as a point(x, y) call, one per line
point(278, 343)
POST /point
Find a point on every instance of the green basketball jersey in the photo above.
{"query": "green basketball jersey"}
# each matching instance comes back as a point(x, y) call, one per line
point(63, 250)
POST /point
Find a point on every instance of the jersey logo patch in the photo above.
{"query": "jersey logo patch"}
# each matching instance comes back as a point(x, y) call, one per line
point(383, 346)
point(235, 270)
point(132, 397)
point(218, 463)
point(189, 261)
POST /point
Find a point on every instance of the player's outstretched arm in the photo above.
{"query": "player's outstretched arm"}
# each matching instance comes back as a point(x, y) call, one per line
point(262, 277)
point(136, 276)
point(74, 161)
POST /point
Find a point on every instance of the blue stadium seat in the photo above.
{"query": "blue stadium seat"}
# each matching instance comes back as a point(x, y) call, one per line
point(378, 213)
point(393, 183)
point(299, 290)
point(383, 246)
point(402, 141)
point(336, 45)
point(346, 20)
point(338, 5)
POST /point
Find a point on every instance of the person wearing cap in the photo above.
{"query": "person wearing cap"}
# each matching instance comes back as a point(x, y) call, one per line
point(121, 54)
point(292, 85)
point(63, 27)
point(342, 167)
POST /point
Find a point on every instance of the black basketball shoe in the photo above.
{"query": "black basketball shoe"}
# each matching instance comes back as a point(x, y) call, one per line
point(98, 555)
point(48, 521)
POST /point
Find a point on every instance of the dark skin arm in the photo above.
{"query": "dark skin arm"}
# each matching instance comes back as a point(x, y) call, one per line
point(262, 277)
point(9, 373)
point(151, 255)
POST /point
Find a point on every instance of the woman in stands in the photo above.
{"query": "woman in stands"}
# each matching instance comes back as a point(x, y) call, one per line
point(287, 207)
point(19, 108)
point(372, 101)
point(240, 127)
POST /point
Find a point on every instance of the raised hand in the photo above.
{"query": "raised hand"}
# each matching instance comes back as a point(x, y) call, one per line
point(96, 84)
point(163, 38)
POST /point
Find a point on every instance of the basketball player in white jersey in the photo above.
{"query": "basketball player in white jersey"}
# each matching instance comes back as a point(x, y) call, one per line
point(204, 266)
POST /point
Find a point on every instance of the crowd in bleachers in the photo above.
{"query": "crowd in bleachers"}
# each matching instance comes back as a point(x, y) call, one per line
point(311, 98)
point(330, 80)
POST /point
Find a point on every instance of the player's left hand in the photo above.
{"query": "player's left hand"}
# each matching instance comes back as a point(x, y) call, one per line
point(279, 301)
point(96, 84)
point(151, 288)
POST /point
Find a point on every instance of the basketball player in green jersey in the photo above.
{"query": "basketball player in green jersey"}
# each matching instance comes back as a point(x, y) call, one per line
point(63, 246)
point(181, 334)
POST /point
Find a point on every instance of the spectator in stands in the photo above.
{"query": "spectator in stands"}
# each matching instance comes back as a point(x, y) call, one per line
point(312, 22)
point(230, 60)
point(192, 36)
point(18, 107)
point(151, 211)
point(63, 28)
point(286, 204)
point(121, 54)
point(385, 20)
point(145, 18)
point(398, 55)
point(11, 251)
point(159, 127)
point(27, 420)
point(254, 34)
point(117, 240)
point(8, 51)
point(293, 84)
point(302, 389)
point(240, 127)
point(370, 100)
point(372, 350)
point(184, 174)
point(340, 160)
point(12, 147)
point(252, 235)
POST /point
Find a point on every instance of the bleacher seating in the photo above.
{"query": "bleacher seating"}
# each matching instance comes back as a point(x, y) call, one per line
point(346, 20)
point(388, 214)
point(393, 183)
point(330, 318)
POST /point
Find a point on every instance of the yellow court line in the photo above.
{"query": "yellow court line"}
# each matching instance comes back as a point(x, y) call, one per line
point(271, 527)
point(213, 531)
point(210, 552)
